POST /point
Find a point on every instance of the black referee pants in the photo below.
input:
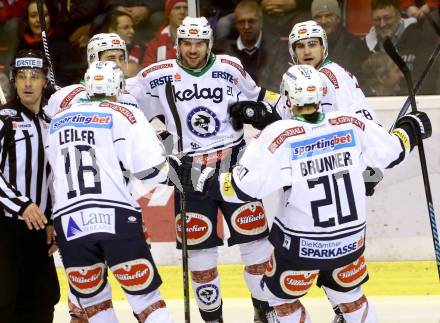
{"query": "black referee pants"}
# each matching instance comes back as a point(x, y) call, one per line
point(29, 286)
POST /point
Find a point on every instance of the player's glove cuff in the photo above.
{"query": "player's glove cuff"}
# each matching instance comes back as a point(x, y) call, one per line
point(416, 125)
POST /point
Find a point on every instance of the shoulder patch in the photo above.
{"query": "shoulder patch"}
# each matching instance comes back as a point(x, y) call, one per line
point(155, 68)
point(347, 119)
point(234, 64)
point(331, 76)
point(8, 112)
point(278, 141)
point(69, 97)
point(122, 110)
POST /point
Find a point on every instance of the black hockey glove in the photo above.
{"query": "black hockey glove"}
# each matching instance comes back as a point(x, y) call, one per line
point(372, 177)
point(258, 114)
point(416, 125)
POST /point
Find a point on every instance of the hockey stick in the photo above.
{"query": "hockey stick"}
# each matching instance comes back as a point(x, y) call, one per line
point(40, 11)
point(170, 98)
point(391, 51)
point(425, 72)
point(2, 97)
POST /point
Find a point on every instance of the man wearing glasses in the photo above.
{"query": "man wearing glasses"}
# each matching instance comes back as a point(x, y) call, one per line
point(414, 41)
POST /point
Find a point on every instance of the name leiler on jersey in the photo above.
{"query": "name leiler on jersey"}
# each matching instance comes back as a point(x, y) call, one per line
point(72, 135)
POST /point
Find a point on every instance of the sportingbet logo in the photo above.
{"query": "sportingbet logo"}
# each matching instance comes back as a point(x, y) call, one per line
point(323, 144)
point(85, 119)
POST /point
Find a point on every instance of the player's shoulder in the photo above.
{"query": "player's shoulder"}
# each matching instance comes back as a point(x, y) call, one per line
point(230, 64)
point(279, 132)
point(332, 73)
point(122, 111)
point(9, 111)
point(336, 118)
point(158, 69)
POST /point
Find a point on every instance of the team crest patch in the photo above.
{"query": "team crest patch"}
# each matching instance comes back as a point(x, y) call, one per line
point(134, 275)
point(198, 228)
point(297, 283)
point(86, 280)
point(352, 274)
point(203, 122)
point(208, 295)
point(249, 219)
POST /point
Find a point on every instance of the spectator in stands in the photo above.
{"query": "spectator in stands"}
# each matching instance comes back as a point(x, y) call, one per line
point(161, 47)
point(10, 18)
point(122, 24)
point(249, 47)
point(343, 47)
point(418, 9)
point(147, 15)
point(6, 86)
point(68, 62)
point(413, 43)
point(279, 16)
point(384, 77)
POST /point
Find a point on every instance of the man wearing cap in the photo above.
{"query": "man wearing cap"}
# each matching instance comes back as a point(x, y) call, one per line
point(161, 47)
point(343, 47)
point(28, 279)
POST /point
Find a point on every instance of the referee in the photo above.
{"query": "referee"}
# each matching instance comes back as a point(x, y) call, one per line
point(29, 286)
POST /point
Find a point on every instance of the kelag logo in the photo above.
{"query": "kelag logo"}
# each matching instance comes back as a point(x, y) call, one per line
point(82, 119)
point(323, 144)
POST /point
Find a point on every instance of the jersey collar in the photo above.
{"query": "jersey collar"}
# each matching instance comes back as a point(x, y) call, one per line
point(325, 62)
point(201, 71)
point(319, 118)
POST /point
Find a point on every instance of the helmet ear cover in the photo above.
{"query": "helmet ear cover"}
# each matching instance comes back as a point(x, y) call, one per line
point(104, 79)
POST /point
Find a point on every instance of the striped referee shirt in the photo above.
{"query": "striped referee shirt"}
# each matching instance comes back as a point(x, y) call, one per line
point(24, 169)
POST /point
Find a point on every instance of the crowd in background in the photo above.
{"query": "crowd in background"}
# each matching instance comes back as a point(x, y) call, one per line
point(255, 31)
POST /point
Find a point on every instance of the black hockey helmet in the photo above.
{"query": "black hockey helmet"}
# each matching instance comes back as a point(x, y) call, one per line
point(28, 58)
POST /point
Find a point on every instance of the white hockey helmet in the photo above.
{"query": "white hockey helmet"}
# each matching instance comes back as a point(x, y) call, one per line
point(302, 84)
point(305, 30)
point(104, 78)
point(102, 42)
point(195, 28)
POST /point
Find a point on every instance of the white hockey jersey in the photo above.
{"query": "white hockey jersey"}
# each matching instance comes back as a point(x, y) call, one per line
point(88, 146)
point(202, 99)
point(68, 95)
point(319, 167)
point(342, 93)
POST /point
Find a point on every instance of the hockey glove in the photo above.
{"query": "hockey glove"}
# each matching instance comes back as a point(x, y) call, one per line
point(258, 114)
point(416, 125)
point(372, 177)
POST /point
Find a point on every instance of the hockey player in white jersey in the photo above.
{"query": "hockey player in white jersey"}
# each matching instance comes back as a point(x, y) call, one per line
point(317, 159)
point(202, 86)
point(308, 45)
point(98, 222)
point(101, 47)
